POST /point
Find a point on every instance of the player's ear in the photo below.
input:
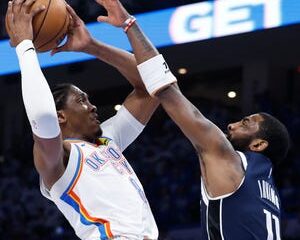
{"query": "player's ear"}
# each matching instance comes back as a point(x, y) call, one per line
point(61, 117)
point(258, 145)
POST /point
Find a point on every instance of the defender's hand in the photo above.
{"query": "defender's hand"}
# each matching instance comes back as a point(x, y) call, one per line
point(78, 37)
point(116, 13)
point(19, 20)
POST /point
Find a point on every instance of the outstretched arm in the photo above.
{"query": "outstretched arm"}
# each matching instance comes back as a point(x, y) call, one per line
point(139, 103)
point(37, 97)
point(221, 166)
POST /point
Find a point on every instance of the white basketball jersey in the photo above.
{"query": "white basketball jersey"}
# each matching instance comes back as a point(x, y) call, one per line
point(100, 194)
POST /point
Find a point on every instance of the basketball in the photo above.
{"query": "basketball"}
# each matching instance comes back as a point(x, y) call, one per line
point(49, 26)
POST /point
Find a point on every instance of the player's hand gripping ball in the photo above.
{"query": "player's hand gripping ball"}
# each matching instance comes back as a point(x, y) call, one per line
point(49, 26)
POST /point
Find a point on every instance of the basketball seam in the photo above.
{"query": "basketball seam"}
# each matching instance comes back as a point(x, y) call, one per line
point(56, 34)
point(41, 25)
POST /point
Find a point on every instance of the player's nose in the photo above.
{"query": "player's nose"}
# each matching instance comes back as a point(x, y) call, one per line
point(93, 108)
point(230, 126)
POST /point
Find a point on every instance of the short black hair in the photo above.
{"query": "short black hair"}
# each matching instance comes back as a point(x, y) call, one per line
point(60, 94)
point(273, 131)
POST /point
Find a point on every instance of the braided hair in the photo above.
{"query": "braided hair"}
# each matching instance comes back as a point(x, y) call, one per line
point(60, 94)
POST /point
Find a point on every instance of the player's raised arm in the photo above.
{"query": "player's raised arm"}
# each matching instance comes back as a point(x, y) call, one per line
point(221, 163)
point(37, 97)
point(139, 103)
point(80, 40)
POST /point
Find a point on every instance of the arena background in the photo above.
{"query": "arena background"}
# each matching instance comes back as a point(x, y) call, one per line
point(261, 67)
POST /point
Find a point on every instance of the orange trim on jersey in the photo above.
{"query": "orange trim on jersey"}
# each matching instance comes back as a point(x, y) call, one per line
point(85, 213)
point(82, 209)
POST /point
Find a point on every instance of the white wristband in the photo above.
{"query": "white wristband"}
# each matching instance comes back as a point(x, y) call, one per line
point(156, 74)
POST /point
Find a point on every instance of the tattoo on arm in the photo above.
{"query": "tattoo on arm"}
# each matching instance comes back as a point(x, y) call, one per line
point(142, 39)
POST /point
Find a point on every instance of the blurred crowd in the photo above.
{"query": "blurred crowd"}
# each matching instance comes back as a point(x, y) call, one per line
point(166, 164)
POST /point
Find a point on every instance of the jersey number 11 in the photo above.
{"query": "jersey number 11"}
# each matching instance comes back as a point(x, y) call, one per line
point(269, 225)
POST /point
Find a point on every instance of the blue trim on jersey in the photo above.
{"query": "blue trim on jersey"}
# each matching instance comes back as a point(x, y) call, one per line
point(78, 139)
point(66, 198)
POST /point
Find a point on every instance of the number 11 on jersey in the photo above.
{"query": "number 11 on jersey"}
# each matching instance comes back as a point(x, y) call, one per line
point(269, 224)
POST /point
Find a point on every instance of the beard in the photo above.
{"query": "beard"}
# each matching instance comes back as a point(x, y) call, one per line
point(240, 144)
point(92, 137)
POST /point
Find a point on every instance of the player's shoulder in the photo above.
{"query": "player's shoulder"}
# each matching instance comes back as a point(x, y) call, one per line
point(255, 155)
point(258, 164)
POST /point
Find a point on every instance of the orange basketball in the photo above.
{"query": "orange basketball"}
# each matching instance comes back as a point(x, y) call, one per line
point(49, 26)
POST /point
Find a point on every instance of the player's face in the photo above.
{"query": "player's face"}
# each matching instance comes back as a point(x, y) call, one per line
point(81, 115)
point(241, 133)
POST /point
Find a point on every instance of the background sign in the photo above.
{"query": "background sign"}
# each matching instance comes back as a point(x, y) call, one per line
point(194, 22)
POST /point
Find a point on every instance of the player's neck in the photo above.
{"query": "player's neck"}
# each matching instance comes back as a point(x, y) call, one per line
point(77, 136)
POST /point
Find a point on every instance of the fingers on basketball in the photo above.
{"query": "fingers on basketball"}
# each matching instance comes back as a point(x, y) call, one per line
point(51, 25)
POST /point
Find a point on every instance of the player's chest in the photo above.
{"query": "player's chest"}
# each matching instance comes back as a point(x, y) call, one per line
point(106, 158)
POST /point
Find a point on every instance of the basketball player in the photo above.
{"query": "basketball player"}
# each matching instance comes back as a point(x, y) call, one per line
point(239, 198)
point(80, 163)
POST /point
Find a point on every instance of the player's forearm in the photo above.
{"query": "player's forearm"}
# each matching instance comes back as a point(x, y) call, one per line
point(122, 60)
point(153, 69)
point(186, 116)
point(143, 49)
point(37, 97)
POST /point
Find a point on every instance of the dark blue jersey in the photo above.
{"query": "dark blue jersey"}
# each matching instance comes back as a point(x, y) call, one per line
point(250, 213)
